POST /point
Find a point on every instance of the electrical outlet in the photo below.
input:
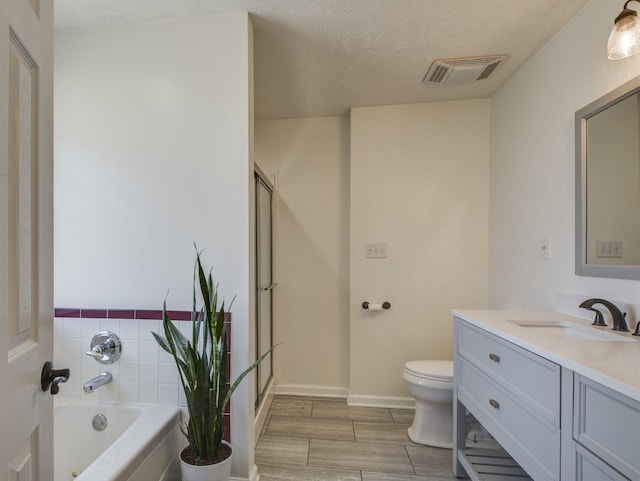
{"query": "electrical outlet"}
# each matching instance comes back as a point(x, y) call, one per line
point(375, 250)
point(609, 248)
point(544, 248)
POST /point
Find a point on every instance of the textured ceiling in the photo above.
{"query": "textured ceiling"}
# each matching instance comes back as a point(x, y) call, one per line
point(320, 57)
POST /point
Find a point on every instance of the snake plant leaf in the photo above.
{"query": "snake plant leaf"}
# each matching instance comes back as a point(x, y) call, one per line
point(162, 343)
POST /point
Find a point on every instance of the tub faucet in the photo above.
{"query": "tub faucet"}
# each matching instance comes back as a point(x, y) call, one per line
point(617, 316)
point(93, 384)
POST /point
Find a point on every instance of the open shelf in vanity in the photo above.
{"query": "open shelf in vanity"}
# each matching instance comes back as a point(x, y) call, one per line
point(491, 465)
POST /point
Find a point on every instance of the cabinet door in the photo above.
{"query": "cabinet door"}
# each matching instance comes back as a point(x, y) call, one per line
point(607, 423)
point(590, 468)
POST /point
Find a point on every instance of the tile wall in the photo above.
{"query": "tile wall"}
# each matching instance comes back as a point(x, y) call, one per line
point(144, 372)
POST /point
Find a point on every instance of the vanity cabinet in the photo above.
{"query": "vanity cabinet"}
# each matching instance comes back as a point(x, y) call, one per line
point(553, 423)
point(515, 395)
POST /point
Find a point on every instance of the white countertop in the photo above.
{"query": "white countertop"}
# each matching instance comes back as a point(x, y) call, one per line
point(611, 363)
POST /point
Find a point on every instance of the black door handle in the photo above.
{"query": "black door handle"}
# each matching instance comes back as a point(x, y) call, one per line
point(50, 377)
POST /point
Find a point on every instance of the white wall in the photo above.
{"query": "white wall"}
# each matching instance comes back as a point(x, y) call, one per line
point(152, 153)
point(310, 160)
point(532, 163)
point(420, 183)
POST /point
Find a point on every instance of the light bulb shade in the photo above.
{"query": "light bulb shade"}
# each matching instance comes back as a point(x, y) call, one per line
point(624, 40)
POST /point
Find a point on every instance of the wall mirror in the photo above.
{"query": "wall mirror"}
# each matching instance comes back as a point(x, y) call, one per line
point(608, 185)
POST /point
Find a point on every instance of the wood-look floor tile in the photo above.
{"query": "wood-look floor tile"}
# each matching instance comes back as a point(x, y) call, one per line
point(322, 432)
point(429, 461)
point(290, 407)
point(323, 409)
point(402, 416)
point(366, 476)
point(266, 425)
point(350, 455)
point(306, 473)
point(282, 450)
point(382, 433)
point(313, 428)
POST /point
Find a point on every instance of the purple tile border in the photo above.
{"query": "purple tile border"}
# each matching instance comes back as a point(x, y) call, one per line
point(226, 420)
point(66, 312)
point(140, 314)
point(93, 313)
point(121, 314)
point(148, 314)
point(178, 315)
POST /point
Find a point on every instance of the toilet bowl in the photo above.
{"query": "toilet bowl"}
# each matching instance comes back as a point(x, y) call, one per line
point(431, 384)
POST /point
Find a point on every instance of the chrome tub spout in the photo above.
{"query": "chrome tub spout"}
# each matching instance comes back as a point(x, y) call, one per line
point(93, 384)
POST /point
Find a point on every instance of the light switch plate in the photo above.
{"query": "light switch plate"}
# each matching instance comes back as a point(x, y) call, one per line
point(375, 250)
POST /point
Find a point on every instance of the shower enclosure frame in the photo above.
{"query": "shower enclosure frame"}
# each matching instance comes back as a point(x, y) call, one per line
point(264, 280)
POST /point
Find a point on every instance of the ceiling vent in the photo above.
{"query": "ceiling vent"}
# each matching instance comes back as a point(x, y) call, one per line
point(462, 70)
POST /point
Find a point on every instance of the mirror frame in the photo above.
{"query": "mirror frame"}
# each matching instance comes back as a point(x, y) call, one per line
point(631, 87)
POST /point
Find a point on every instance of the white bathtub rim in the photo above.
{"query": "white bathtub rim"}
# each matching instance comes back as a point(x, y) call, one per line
point(155, 422)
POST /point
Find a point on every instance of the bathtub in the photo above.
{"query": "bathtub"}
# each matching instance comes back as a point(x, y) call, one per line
point(138, 442)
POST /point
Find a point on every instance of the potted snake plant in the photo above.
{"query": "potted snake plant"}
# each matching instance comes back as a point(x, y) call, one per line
point(202, 363)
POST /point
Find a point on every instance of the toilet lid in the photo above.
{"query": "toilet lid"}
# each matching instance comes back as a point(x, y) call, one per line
point(436, 370)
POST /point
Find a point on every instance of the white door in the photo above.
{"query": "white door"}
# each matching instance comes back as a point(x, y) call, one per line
point(26, 238)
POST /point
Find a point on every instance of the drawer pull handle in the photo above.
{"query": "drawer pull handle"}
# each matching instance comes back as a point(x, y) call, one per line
point(494, 357)
point(494, 404)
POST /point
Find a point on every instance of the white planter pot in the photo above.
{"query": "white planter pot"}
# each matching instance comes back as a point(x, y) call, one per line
point(212, 472)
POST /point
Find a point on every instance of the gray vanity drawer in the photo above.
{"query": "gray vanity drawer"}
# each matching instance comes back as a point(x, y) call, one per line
point(536, 379)
point(532, 441)
point(608, 424)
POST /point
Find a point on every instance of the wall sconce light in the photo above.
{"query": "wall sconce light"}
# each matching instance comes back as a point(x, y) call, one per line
point(624, 40)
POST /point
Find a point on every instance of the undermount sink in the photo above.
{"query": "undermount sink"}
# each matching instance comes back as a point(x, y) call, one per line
point(571, 330)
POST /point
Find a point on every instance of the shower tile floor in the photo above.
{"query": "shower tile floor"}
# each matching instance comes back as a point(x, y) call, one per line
point(319, 439)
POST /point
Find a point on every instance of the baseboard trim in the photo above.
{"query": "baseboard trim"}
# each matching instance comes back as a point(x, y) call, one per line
point(381, 401)
point(310, 390)
point(263, 409)
point(253, 475)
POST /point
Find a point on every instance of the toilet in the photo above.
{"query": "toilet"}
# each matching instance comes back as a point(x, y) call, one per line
point(431, 384)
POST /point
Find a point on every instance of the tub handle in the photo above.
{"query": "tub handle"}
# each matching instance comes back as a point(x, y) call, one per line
point(51, 378)
point(96, 353)
point(105, 347)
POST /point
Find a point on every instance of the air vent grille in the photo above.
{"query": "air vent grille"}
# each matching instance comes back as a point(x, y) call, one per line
point(462, 70)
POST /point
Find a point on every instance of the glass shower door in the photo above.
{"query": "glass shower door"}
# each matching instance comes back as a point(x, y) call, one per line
point(264, 283)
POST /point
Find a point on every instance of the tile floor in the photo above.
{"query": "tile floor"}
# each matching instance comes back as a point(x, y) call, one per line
point(318, 439)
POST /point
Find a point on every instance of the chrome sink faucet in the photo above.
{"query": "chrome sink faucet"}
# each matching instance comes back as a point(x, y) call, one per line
point(100, 380)
point(617, 316)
